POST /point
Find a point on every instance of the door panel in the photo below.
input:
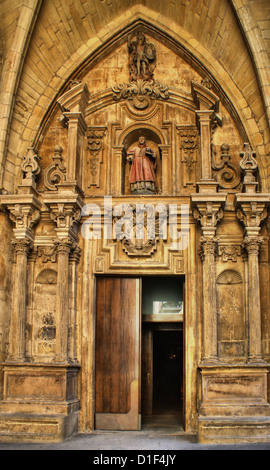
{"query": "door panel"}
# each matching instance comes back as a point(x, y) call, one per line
point(118, 354)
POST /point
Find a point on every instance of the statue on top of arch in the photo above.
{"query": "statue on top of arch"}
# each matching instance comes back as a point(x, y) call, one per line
point(142, 58)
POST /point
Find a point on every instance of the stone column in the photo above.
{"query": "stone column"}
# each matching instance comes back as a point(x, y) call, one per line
point(62, 317)
point(209, 213)
point(66, 215)
point(74, 260)
point(73, 103)
point(208, 246)
point(205, 131)
point(18, 319)
point(252, 246)
point(251, 212)
point(76, 132)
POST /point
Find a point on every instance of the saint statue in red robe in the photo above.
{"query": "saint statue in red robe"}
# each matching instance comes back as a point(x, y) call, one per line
point(142, 174)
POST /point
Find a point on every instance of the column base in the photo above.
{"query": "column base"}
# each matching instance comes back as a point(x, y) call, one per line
point(39, 403)
point(234, 405)
point(233, 430)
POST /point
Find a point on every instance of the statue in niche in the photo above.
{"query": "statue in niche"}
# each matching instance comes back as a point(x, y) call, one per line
point(142, 176)
point(142, 58)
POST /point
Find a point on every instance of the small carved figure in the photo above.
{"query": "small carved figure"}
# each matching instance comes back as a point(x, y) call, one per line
point(142, 174)
point(142, 58)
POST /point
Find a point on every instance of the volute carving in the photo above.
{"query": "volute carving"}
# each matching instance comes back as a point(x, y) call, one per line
point(227, 174)
point(55, 173)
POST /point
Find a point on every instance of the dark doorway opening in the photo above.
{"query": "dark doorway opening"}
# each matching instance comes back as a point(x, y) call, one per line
point(168, 373)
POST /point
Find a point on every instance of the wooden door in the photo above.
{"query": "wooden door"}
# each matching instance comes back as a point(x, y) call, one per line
point(118, 354)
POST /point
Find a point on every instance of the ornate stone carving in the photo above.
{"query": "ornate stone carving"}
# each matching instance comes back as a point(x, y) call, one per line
point(142, 58)
point(24, 217)
point(229, 252)
point(253, 244)
point(63, 246)
point(208, 246)
point(189, 149)
point(95, 137)
point(248, 164)
point(208, 213)
point(47, 253)
point(47, 276)
point(142, 228)
point(22, 246)
point(229, 276)
point(55, 173)
point(141, 92)
point(251, 214)
point(30, 167)
point(65, 215)
point(228, 176)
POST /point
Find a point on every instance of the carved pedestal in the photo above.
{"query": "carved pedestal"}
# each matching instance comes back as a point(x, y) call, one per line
point(234, 406)
point(39, 403)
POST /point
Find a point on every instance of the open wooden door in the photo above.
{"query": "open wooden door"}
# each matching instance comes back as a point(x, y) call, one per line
point(118, 354)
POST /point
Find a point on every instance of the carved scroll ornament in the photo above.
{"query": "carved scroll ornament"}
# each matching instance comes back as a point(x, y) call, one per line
point(141, 92)
point(55, 173)
point(228, 175)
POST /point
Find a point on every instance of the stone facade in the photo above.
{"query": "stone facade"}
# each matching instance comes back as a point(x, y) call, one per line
point(80, 83)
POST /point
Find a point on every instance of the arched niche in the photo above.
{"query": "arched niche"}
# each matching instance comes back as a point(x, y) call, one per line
point(153, 141)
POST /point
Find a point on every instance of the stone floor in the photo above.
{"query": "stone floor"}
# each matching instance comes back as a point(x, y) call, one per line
point(150, 438)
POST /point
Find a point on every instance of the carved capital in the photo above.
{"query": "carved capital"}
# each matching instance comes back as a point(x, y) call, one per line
point(63, 246)
point(208, 247)
point(22, 246)
point(24, 216)
point(208, 214)
point(75, 253)
point(251, 214)
point(252, 244)
point(65, 215)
